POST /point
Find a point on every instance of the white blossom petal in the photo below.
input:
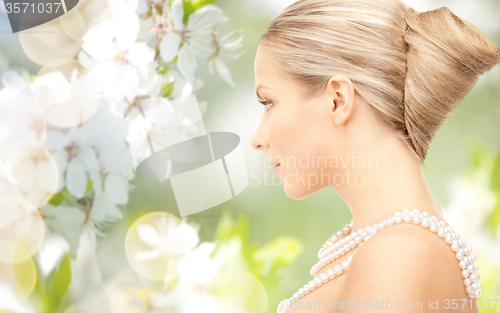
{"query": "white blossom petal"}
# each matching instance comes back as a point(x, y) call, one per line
point(76, 178)
point(149, 235)
point(224, 71)
point(204, 18)
point(116, 187)
point(98, 41)
point(127, 30)
point(147, 255)
point(140, 54)
point(177, 14)
point(187, 62)
point(103, 208)
point(169, 46)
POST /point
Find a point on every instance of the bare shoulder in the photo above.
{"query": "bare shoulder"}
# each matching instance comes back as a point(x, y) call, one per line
point(403, 263)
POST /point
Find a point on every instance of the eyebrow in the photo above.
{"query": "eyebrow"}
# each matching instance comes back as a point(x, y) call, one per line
point(257, 92)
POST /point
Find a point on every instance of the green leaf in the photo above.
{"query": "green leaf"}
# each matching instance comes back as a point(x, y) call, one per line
point(283, 250)
point(62, 195)
point(39, 299)
point(163, 70)
point(57, 199)
point(494, 218)
point(67, 221)
point(90, 186)
point(58, 282)
point(166, 90)
point(188, 7)
point(495, 175)
point(201, 3)
point(191, 6)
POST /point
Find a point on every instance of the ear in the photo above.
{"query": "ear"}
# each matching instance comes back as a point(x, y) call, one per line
point(340, 91)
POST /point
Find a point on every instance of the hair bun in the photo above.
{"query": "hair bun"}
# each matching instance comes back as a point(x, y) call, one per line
point(446, 56)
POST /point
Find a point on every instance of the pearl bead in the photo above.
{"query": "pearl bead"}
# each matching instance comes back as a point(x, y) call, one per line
point(337, 269)
point(465, 273)
point(447, 238)
point(318, 282)
point(474, 277)
point(312, 285)
point(330, 273)
point(344, 264)
point(425, 223)
point(479, 293)
point(347, 239)
point(306, 289)
point(405, 211)
point(324, 278)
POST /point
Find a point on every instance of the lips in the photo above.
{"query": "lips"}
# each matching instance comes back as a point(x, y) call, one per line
point(276, 169)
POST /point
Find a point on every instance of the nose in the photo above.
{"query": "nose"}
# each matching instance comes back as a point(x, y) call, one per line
point(259, 140)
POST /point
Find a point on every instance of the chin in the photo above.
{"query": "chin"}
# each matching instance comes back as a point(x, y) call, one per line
point(300, 192)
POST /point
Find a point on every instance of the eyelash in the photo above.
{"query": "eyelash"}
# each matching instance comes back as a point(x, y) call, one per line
point(265, 103)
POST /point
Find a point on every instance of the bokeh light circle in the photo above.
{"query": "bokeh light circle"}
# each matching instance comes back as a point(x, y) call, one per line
point(50, 41)
point(240, 288)
point(19, 275)
point(157, 268)
point(21, 117)
point(33, 172)
point(63, 65)
point(21, 226)
point(65, 102)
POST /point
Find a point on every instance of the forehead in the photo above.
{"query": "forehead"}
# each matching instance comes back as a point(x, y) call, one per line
point(263, 65)
point(266, 74)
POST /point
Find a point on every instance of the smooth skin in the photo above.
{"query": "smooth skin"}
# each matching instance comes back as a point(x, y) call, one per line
point(400, 263)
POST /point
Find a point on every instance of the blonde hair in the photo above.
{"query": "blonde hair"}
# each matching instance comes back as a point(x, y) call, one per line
point(412, 67)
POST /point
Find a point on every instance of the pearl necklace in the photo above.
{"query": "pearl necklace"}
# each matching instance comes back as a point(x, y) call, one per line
point(345, 240)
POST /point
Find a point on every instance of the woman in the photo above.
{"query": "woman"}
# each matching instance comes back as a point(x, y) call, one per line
point(357, 90)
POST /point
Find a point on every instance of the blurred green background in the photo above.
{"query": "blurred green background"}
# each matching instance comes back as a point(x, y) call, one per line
point(270, 214)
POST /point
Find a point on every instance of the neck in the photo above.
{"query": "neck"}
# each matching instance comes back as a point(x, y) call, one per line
point(392, 181)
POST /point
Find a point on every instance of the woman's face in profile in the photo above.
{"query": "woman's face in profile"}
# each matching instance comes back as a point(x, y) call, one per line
point(296, 131)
